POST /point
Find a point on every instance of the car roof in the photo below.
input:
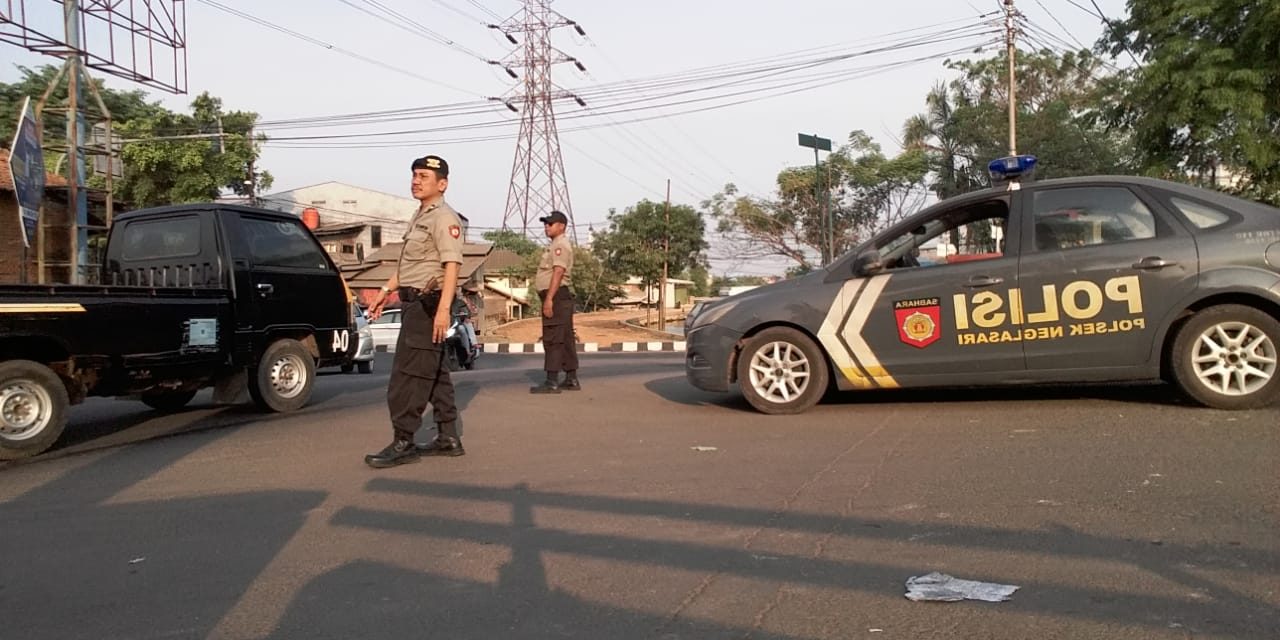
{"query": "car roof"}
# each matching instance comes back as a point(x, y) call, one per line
point(1212, 195)
point(205, 206)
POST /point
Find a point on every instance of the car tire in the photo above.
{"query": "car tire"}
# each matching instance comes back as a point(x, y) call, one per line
point(1225, 357)
point(348, 368)
point(168, 400)
point(33, 408)
point(781, 371)
point(365, 367)
point(284, 377)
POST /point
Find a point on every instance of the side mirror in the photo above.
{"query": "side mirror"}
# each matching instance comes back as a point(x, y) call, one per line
point(868, 263)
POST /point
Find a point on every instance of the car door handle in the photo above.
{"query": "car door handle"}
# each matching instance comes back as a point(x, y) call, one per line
point(978, 282)
point(1153, 262)
point(265, 289)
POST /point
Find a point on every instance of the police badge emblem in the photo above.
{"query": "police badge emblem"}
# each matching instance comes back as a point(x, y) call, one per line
point(918, 321)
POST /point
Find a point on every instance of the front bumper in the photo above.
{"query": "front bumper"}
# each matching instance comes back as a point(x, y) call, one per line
point(708, 351)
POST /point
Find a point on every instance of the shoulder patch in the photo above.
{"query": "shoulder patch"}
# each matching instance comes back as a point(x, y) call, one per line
point(557, 250)
point(455, 230)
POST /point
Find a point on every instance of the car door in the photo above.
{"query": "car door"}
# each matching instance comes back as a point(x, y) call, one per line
point(293, 283)
point(386, 328)
point(1103, 266)
point(936, 313)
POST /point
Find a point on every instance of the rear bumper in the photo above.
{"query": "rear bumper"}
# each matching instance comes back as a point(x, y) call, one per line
point(708, 351)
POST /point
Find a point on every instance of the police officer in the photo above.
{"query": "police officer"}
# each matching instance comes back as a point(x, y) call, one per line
point(552, 281)
point(425, 279)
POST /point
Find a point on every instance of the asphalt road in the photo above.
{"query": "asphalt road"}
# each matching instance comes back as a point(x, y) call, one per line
point(1119, 511)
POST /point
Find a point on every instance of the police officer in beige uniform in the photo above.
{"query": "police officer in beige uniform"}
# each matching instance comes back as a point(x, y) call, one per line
point(552, 282)
point(425, 279)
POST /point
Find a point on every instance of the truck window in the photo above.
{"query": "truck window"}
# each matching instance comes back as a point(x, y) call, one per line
point(162, 239)
point(280, 243)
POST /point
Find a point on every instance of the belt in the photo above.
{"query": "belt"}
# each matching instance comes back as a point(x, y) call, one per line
point(413, 294)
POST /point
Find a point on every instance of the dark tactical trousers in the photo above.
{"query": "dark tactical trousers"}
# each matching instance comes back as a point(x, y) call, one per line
point(419, 374)
point(560, 352)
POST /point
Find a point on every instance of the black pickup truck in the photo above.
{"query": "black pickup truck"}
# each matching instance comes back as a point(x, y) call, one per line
point(194, 296)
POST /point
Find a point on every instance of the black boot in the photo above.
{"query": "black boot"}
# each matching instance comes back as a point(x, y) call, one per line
point(400, 451)
point(442, 446)
point(571, 382)
point(548, 386)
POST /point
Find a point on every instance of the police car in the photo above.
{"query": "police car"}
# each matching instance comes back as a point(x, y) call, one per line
point(1055, 281)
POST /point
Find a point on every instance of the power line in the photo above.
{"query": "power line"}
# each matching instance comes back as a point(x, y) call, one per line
point(400, 21)
point(336, 49)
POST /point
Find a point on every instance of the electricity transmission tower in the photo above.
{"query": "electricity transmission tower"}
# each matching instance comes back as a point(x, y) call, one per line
point(538, 183)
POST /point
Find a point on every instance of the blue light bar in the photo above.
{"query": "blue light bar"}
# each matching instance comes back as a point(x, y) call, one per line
point(1012, 167)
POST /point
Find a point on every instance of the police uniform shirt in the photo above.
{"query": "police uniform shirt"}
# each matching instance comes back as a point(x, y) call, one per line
point(558, 254)
point(434, 238)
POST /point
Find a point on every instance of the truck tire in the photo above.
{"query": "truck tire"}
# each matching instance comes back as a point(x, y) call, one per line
point(33, 408)
point(168, 400)
point(781, 371)
point(284, 377)
point(1225, 357)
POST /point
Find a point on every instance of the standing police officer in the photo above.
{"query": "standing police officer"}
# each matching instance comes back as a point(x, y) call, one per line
point(425, 279)
point(560, 352)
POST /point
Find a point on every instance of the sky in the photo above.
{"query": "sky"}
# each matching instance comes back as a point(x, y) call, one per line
point(609, 166)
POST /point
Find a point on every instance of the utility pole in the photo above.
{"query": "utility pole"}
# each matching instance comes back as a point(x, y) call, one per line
point(252, 182)
point(666, 256)
point(77, 211)
point(1012, 44)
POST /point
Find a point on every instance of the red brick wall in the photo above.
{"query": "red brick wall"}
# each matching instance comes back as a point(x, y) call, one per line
point(11, 243)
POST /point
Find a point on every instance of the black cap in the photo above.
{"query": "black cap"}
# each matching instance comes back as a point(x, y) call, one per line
point(435, 163)
point(554, 216)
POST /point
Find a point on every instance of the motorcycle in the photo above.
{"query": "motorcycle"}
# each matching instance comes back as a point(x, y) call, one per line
point(461, 349)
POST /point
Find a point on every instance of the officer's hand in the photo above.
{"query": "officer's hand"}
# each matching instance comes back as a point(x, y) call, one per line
point(441, 326)
point(547, 308)
point(375, 309)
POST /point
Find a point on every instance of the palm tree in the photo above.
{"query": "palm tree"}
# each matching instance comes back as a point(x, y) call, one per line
point(936, 132)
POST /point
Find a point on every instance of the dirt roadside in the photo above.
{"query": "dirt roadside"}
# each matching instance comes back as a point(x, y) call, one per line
point(602, 327)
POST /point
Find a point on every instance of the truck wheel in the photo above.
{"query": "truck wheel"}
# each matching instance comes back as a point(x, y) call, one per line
point(284, 378)
point(781, 371)
point(169, 400)
point(1225, 357)
point(365, 367)
point(33, 408)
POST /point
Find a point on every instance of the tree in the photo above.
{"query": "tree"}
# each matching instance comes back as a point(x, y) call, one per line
point(158, 168)
point(936, 132)
point(638, 240)
point(866, 192)
point(594, 285)
point(1060, 108)
point(512, 241)
point(1207, 96)
point(162, 170)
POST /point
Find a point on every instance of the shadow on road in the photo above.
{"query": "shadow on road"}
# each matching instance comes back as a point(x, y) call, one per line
point(524, 604)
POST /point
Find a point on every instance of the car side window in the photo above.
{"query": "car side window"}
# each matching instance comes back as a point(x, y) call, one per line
point(162, 239)
point(387, 317)
point(966, 234)
point(1202, 216)
point(282, 243)
point(1088, 216)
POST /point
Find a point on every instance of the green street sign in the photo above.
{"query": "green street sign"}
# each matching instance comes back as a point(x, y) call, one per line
point(814, 142)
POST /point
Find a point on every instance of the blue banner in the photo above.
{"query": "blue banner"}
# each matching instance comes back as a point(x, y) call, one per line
point(26, 165)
